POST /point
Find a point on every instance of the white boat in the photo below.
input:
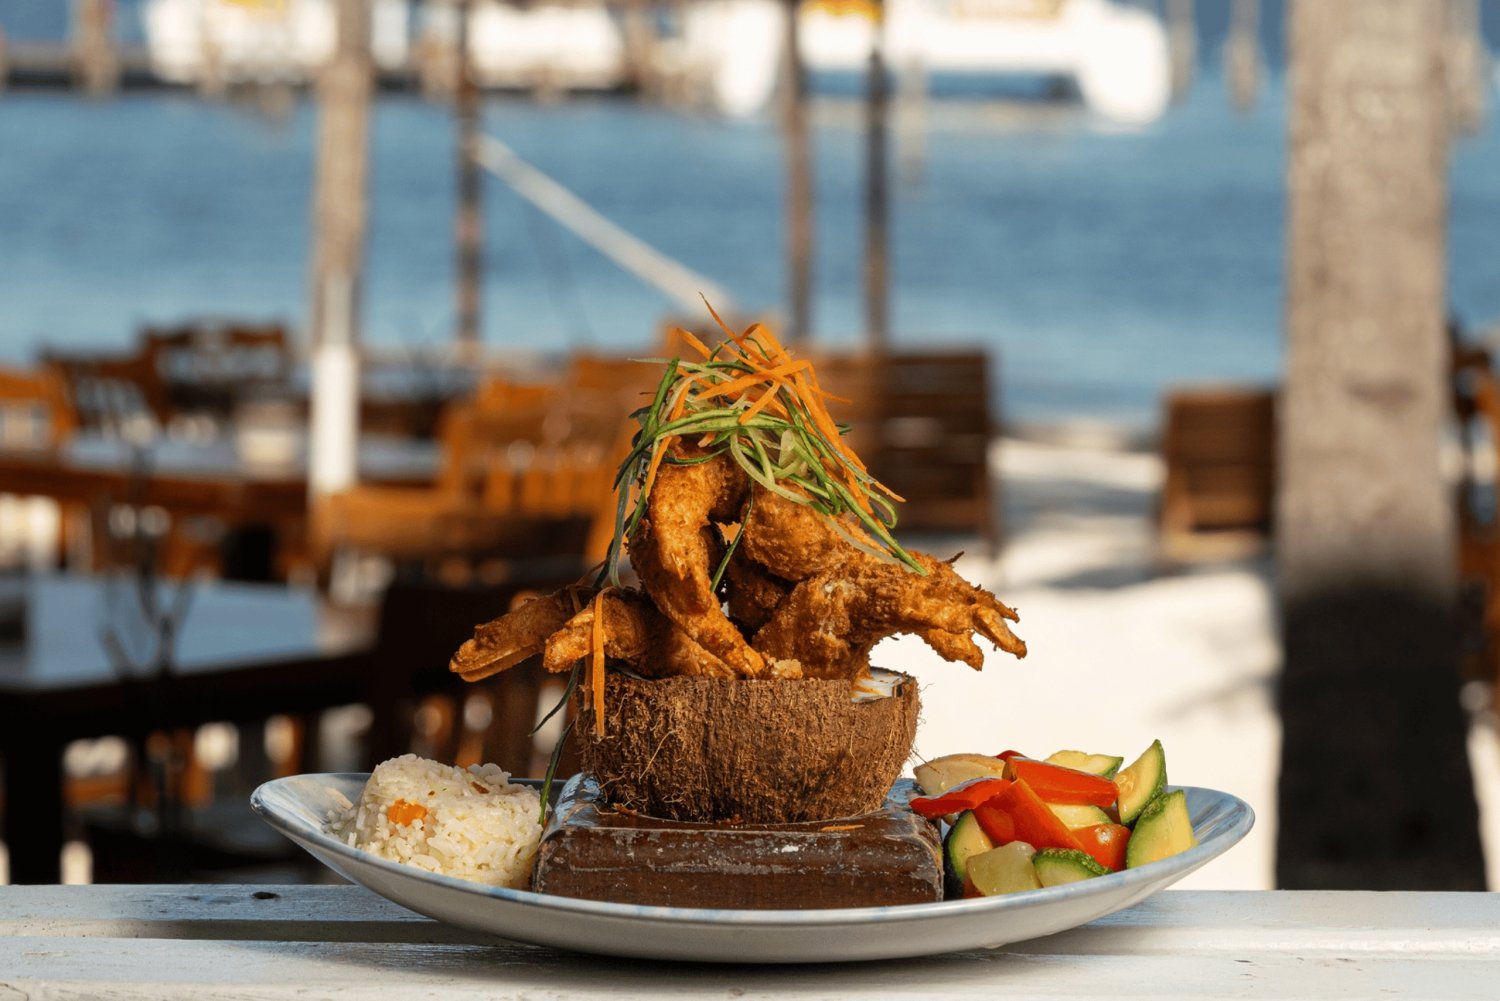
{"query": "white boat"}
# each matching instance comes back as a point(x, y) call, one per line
point(259, 41)
point(573, 45)
point(1115, 53)
point(570, 46)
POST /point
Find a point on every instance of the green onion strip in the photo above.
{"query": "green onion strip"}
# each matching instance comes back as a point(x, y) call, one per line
point(792, 458)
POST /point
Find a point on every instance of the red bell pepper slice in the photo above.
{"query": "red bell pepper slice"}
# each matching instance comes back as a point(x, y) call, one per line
point(1017, 813)
point(1056, 784)
point(958, 799)
point(1106, 843)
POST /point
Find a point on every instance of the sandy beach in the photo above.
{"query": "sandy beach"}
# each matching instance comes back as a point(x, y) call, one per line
point(1123, 651)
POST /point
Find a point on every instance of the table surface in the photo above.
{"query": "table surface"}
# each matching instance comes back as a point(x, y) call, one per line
point(212, 478)
point(226, 624)
point(381, 457)
point(267, 942)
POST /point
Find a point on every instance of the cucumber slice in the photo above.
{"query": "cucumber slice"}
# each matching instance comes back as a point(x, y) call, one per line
point(1142, 782)
point(1103, 765)
point(1163, 830)
point(941, 774)
point(1055, 866)
point(965, 839)
point(1006, 869)
point(1075, 815)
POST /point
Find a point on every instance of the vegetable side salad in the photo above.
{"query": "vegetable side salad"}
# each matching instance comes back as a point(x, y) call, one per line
point(1019, 823)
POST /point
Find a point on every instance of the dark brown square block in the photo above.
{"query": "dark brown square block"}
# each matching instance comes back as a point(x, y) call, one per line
point(591, 850)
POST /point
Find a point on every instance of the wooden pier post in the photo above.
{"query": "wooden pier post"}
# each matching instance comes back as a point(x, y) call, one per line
point(1182, 42)
point(799, 193)
point(877, 191)
point(469, 223)
point(1242, 53)
point(339, 210)
point(96, 64)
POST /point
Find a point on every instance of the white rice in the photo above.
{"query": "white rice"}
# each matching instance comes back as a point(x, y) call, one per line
point(470, 823)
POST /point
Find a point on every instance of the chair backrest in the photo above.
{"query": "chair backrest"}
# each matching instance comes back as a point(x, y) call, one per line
point(922, 421)
point(208, 367)
point(1219, 453)
point(111, 393)
point(34, 409)
point(421, 624)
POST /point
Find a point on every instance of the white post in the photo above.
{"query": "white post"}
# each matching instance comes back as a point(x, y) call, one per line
point(333, 450)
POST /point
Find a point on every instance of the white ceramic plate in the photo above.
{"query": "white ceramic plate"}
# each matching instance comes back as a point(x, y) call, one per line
point(297, 806)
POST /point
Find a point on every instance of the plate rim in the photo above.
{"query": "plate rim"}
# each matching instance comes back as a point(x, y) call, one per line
point(1221, 841)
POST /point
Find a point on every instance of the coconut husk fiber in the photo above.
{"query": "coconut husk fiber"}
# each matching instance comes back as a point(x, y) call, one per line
point(759, 751)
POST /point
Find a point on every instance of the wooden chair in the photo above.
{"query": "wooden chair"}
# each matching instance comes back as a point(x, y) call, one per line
point(35, 411)
point(523, 486)
point(1219, 455)
point(922, 421)
point(420, 706)
point(115, 395)
point(1476, 402)
point(208, 368)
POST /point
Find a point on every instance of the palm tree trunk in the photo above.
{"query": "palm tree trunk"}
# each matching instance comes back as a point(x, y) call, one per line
point(1375, 788)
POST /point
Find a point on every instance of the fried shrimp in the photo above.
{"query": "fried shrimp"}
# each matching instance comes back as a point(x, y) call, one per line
point(793, 541)
point(763, 546)
point(522, 632)
point(672, 553)
point(635, 635)
point(830, 622)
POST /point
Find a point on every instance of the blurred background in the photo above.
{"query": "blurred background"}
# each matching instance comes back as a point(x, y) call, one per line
point(1103, 255)
point(318, 342)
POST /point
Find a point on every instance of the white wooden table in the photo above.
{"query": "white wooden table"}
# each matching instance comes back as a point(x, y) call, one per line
point(268, 942)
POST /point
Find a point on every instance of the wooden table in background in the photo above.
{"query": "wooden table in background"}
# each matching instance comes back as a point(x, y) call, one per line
point(269, 942)
point(246, 652)
point(192, 478)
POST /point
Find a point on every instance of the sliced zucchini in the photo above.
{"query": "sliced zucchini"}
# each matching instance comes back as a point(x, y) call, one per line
point(941, 774)
point(965, 839)
point(1055, 866)
point(1142, 782)
point(1163, 830)
point(1074, 815)
point(1006, 869)
point(1103, 765)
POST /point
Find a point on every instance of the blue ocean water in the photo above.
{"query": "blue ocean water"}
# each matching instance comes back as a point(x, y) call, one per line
point(1099, 265)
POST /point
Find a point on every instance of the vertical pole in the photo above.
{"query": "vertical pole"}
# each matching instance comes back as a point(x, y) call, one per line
point(799, 196)
point(339, 208)
point(1365, 546)
point(877, 200)
point(1182, 42)
point(4, 63)
point(97, 66)
point(469, 226)
point(640, 49)
point(1242, 53)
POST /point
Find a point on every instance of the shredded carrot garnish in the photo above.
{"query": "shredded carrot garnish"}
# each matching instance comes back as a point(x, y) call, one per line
point(405, 813)
point(774, 375)
point(693, 342)
point(717, 318)
point(596, 673)
point(750, 397)
point(657, 454)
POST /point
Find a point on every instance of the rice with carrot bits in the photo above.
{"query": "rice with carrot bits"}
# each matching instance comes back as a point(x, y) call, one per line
point(469, 823)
